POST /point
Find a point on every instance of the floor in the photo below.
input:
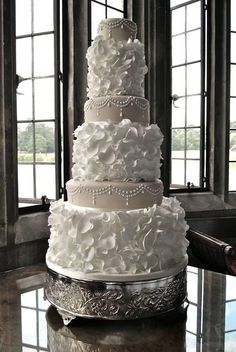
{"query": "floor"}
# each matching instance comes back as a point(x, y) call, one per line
point(28, 323)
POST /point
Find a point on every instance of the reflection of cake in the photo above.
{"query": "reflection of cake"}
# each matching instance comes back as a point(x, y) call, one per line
point(116, 225)
point(121, 336)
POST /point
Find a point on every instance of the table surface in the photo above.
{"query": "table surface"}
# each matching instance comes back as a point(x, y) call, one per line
point(206, 323)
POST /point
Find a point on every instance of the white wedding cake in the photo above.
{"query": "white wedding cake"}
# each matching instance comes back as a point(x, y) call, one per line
point(116, 224)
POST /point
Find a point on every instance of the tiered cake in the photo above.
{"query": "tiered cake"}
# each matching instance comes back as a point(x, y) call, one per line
point(116, 225)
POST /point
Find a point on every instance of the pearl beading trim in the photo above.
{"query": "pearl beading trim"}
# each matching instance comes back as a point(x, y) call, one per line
point(127, 194)
point(131, 26)
point(141, 103)
point(116, 102)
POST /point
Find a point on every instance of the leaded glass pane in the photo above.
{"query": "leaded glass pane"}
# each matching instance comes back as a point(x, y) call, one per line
point(178, 80)
point(43, 16)
point(232, 176)
point(178, 143)
point(233, 47)
point(178, 113)
point(45, 142)
point(43, 341)
point(25, 134)
point(98, 13)
point(229, 339)
point(178, 21)
point(233, 80)
point(194, 46)
point(193, 110)
point(193, 172)
point(177, 174)
point(194, 16)
point(23, 17)
point(191, 342)
point(44, 99)
point(178, 50)
point(192, 287)
point(194, 79)
point(230, 316)
point(44, 64)
point(233, 113)
point(24, 57)
point(25, 181)
point(191, 324)
point(28, 299)
point(193, 143)
point(233, 12)
point(232, 146)
point(24, 101)
point(45, 185)
point(29, 326)
point(230, 288)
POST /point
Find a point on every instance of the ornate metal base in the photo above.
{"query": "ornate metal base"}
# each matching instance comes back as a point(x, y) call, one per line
point(114, 300)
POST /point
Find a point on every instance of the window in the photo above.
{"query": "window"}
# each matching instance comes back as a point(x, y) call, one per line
point(105, 9)
point(195, 315)
point(232, 142)
point(188, 92)
point(38, 103)
point(33, 323)
point(230, 320)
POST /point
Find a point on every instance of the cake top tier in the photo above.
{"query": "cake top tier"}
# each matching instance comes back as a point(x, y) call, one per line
point(117, 28)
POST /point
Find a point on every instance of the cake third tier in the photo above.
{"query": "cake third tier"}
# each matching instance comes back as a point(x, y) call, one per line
point(117, 152)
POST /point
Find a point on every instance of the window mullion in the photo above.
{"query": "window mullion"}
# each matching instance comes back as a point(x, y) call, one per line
point(57, 75)
point(203, 95)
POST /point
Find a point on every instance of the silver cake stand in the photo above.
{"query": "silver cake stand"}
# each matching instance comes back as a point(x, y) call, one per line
point(115, 300)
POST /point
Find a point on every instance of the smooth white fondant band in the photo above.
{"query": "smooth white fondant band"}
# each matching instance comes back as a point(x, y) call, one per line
point(114, 195)
point(117, 108)
point(118, 277)
point(117, 28)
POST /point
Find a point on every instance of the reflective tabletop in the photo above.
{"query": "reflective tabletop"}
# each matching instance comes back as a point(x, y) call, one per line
point(207, 322)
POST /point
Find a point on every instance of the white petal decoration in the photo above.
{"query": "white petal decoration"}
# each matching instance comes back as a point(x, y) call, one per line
point(84, 224)
point(121, 152)
point(115, 67)
point(108, 157)
point(127, 242)
point(90, 255)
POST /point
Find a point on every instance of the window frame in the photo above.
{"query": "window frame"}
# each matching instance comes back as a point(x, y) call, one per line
point(43, 205)
point(230, 96)
point(216, 199)
point(203, 176)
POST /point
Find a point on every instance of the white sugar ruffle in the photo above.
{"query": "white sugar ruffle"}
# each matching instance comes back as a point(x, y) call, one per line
point(124, 151)
point(115, 67)
point(117, 242)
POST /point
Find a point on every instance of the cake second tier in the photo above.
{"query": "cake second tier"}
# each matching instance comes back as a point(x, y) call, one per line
point(114, 195)
point(115, 67)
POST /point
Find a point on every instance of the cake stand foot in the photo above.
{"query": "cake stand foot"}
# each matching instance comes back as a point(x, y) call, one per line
point(66, 317)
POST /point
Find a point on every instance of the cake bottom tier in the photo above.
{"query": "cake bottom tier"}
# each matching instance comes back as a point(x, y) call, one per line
point(117, 245)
